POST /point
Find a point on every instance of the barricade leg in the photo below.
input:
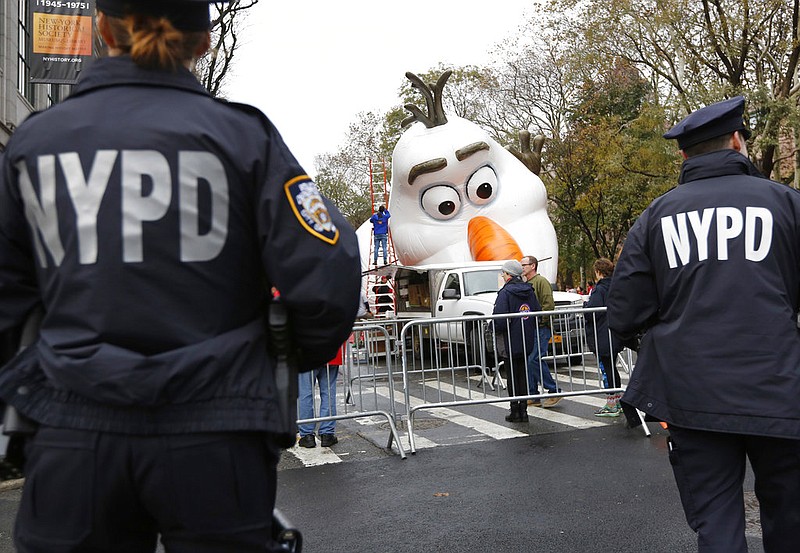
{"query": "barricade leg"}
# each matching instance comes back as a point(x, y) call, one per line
point(285, 534)
point(644, 424)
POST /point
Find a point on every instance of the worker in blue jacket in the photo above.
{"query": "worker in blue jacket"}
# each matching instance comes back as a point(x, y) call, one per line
point(380, 233)
point(710, 278)
point(148, 221)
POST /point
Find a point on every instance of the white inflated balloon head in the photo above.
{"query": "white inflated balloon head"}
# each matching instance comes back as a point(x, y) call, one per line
point(431, 214)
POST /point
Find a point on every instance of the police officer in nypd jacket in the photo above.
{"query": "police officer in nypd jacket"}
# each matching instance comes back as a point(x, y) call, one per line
point(149, 220)
point(710, 274)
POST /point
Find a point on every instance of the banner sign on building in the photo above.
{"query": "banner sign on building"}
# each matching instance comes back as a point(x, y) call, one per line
point(61, 40)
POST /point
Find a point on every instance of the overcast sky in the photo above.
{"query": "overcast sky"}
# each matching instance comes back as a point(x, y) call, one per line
point(312, 66)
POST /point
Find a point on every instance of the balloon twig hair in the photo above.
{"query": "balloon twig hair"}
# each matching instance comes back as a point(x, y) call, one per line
point(433, 100)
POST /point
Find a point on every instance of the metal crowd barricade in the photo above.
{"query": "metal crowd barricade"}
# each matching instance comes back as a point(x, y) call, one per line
point(368, 379)
point(451, 362)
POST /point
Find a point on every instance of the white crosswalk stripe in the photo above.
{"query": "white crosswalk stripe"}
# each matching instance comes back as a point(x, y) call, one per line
point(312, 457)
point(538, 412)
point(487, 428)
point(419, 441)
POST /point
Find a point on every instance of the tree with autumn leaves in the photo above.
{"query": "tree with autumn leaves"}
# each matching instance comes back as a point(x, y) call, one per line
point(695, 52)
point(606, 167)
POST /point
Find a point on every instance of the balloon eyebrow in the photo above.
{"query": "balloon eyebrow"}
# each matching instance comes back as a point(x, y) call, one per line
point(429, 166)
point(474, 148)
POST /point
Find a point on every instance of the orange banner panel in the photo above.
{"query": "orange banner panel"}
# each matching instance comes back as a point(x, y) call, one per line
point(62, 34)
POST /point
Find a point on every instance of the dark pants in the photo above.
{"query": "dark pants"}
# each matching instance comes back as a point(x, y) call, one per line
point(709, 470)
point(517, 375)
point(611, 377)
point(92, 491)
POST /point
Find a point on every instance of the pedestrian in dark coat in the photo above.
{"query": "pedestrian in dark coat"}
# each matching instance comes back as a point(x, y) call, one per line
point(516, 336)
point(710, 274)
point(605, 346)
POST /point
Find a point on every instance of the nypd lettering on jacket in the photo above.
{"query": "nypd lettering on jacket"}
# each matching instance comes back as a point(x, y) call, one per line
point(146, 195)
point(688, 236)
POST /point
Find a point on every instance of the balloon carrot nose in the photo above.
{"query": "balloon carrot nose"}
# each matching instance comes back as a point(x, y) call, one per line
point(488, 241)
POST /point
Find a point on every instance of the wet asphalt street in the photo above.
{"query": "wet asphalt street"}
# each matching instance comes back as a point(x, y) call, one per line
point(604, 489)
point(596, 490)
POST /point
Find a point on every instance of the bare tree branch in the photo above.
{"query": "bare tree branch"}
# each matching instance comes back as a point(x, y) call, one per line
point(212, 69)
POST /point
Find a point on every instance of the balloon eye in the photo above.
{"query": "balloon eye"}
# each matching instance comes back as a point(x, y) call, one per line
point(482, 186)
point(441, 202)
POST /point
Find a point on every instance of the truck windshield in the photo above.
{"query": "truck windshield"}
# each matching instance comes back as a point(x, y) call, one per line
point(482, 282)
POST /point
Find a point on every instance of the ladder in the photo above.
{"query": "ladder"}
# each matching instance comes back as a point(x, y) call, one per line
point(381, 295)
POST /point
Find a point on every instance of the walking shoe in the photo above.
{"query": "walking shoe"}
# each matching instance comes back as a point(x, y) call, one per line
point(535, 402)
point(609, 411)
point(307, 441)
point(328, 440)
point(550, 401)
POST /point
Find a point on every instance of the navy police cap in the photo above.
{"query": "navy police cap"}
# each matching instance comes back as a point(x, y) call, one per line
point(186, 15)
point(718, 119)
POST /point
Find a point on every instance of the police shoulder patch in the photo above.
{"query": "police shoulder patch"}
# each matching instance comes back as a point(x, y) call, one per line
point(310, 210)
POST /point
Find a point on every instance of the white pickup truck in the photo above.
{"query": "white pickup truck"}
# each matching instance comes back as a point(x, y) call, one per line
point(455, 290)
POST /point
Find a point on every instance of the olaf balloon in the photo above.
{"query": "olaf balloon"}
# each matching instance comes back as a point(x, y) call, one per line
point(458, 196)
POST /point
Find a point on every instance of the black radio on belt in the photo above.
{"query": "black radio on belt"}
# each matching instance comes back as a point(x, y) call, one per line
point(15, 425)
point(279, 340)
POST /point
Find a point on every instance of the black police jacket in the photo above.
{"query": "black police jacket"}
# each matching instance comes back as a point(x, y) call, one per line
point(150, 220)
point(711, 273)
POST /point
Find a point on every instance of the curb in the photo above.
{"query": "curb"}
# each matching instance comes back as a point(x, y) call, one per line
point(8, 485)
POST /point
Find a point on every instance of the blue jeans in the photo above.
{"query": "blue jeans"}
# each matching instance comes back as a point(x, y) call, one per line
point(326, 379)
point(381, 240)
point(535, 373)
